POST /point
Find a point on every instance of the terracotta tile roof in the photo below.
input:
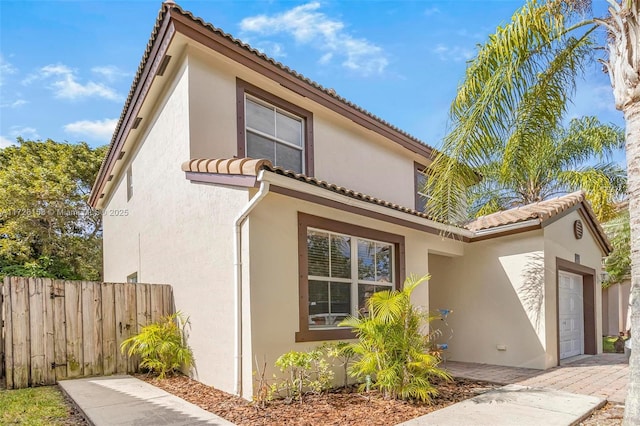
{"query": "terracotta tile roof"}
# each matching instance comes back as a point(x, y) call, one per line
point(170, 5)
point(541, 210)
point(330, 92)
point(251, 167)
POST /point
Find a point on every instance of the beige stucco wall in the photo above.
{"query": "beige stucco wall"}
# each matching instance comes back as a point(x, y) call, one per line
point(615, 306)
point(274, 271)
point(495, 292)
point(178, 233)
point(561, 243)
point(345, 153)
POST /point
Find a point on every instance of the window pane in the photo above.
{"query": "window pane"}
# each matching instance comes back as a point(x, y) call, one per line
point(289, 129)
point(260, 117)
point(384, 271)
point(318, 302)
point(340, 256)
point(340, 306)
point(365, 291)
point(259, 147)
point(366, 260)
point(318, 251)
point(288, 158)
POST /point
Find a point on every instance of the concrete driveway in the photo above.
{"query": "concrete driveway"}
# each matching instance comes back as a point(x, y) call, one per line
point(605, 376)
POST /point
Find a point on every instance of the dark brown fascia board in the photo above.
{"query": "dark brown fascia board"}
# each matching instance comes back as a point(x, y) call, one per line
point(362, 212)
point(160, 47)
point(246, 181)
point(203, 35)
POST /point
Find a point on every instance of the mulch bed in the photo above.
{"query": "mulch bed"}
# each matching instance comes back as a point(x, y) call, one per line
point(338, 407)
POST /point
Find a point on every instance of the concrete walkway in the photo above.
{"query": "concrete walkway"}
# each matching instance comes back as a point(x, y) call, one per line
point(125, 400)
point(605, 376)
point(514, 405)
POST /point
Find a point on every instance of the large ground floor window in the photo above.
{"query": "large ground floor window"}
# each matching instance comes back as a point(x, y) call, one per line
point(341, 266)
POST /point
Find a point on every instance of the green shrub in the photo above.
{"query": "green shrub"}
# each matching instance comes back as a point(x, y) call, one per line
point(162, 346)
point(304, 371)
point(344, 353)
point(391, 348)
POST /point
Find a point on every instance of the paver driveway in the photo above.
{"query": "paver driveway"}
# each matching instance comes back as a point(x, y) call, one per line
point(605, 376)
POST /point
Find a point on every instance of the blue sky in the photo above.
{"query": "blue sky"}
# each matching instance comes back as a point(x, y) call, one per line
point(66, 66)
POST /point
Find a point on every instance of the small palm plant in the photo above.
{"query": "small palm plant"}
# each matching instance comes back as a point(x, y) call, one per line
point(391, 348)
point(161, 345)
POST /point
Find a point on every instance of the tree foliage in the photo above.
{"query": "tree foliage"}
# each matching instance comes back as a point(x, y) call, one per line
point(46, 226)
point(618, 263)
point(391, 347)
point(507, 122)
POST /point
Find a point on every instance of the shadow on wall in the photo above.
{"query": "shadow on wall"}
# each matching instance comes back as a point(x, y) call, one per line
point(531, 292)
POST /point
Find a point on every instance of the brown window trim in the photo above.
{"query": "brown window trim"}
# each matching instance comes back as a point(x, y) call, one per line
point(306, 221)
point(243, 87)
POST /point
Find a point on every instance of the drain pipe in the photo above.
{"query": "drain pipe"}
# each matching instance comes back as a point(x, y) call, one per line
point(237, 250)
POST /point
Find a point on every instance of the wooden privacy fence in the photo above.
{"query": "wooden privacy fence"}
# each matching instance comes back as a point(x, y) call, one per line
point(55, 329)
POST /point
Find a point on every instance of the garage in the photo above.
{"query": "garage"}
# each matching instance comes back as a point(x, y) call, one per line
point(570, 314)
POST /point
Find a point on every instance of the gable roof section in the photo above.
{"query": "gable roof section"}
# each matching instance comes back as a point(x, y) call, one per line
point(545, 212)
point(171, 19)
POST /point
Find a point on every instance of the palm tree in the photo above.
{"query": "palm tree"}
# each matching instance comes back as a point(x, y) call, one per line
point(623, 66)
point(553, 165)
point(516, 90)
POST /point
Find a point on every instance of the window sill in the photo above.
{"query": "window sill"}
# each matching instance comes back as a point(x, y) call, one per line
point(320, 335)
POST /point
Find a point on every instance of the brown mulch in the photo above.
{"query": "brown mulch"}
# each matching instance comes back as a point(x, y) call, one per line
point(609, 415)
point(339, 407)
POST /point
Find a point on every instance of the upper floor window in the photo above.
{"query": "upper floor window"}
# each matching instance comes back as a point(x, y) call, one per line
point(274, 129)
point(422, 195)
point(274, 134)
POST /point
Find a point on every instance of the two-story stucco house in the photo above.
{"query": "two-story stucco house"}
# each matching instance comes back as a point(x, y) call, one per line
point(274, 208)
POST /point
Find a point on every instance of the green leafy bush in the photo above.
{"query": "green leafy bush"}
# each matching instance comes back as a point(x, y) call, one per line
point(304, 370)
point(162, 346)
point(344, 353)
point(391, 348)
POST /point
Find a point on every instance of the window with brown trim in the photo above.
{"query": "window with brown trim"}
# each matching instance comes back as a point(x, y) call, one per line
point(274, 129)
point(420, 173)
point(341, 266)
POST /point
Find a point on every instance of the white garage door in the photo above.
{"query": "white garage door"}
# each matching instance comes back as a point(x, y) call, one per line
point(571, 315)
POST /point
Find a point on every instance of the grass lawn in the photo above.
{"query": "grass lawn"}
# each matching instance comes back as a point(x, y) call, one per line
point(607, 344)
point(33, 406)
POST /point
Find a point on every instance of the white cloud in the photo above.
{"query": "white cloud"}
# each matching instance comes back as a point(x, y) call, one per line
point(5, 142)
point(14, 104)
point(310, 27)
point(24, 132)
point(64, 83)
point(275, 50)
point(431, 11)
point(98, 129)
point(453, 53)
point(5, 69)
point(110, 72)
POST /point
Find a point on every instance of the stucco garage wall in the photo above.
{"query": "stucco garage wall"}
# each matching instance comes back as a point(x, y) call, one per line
point(178, 233)
point(496, 293)
point(560, 242)
point(274, 271)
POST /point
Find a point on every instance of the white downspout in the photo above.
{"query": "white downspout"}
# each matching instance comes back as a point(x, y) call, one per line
point(237, 251)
